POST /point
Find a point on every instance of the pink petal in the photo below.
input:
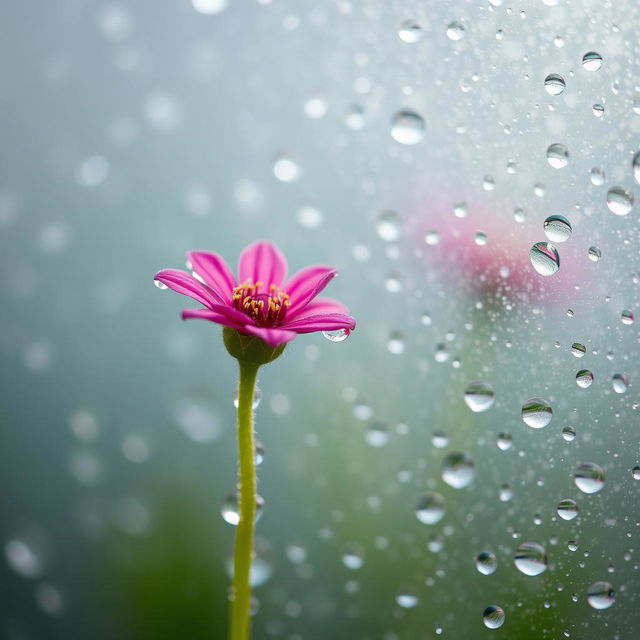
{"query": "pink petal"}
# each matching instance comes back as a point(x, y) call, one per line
point(214, 271)
point(222, 315)
point(306, 284)
point(318, 306)
point(262, 262)
point(272, 337)
point(187, 285)
point(321, 322)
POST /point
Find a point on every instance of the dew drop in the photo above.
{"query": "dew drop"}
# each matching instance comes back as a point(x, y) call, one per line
point(257, 396)
point(544, 258)
point(407, 127)
point(557, 155)
point(486, 563)
point(455, 31)
point(554, 84)
point(619, 201)
point(589, 477)
point(619, 383)
point(339, 335)
point(531, 558)
point(160, 285)
point(479, 396)
point(567, 509)
point(389, 226)
point(584, 378)
point(557, 228)
point(230, 508)
point(601, 595)
point(493, 617)
point(458, 469)
point(536, 413)
point(430, 508)
point(591, 61)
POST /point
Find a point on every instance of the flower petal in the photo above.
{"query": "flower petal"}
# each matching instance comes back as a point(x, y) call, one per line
point(306, 284)
point(262, 262)
point(220, 314)
point(213, 269)
point(187, 285)
point(321, 322)
point(272, 337)
point(317, 306)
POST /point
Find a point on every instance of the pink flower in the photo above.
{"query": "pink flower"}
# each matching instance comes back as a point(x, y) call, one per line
point(259, 302)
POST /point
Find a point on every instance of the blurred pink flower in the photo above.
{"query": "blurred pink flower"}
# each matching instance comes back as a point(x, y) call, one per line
point(259, 302)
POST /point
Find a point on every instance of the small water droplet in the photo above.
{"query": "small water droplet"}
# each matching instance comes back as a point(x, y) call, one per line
point(479, 396)
point(439, 439)
point(619, 383)
point(455, 31)
point(531, 558)
point(598, 110)
point(353, 556)
point(536, 413)
point(557, 228)
point(230, 508)
point(160, 285)
point(407, 599)
point(601, 595)
point(567, 509)
point(594, 254)
point(355, 117)
point(432, 238)
point(554, 84)
point(377, 435)
point(504, 441)
point(257, 396)
point(557, 155)
point(627, 317)
point(584, 378)
point(635, 164)
point(578, 350)
point(458, 469)
point(339, 335)
point(544, 258)
point(486, 563)
point(493, 617)
point(285, 168)
point(597, 176)
point(460, 209)
point(407, 127)
point(635, 472)
point(389, 226)
point(481, 238)
point(410, 32)
point(591, 61)
point(569, 434)
point(619, 201)
point(589, 477)
point(430, 508)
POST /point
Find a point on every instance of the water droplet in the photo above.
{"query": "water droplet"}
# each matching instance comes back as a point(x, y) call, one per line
point(455, 31)
point(488, 183)
point(569, 434)
point(458, 469)
point(309, 217)
point(396, 343)
point(594, 254)
point(262, 564)
point(286, 169)
point(353, 556)
point(432, 238)
point(544, 258)
point(557, 155)
point(504, 441)
point(230, 508)
point(635, 472)
point(505, 493)
point(636, 167)
point(486, 563)
point(567, 509)
point(557, 228)
point(591, 61)
point(389, 226)
point(627, 317)
point(439, 439)
point(160, 285)
point(430, 508)
point(481, 238)
point(460, 209)
point(407, 599)
point(258, 454)
point(598, 110)
point(536, 413)
point(407, 127)
point(519, 215)
point(589, 477)
point(619, 201)
point(355, 117)
point(377, 435)
point(209, 7)
point(578, 350)
point(23, 557)
point(531, 558)
point(479, 396)
point(597, 176)
point(584, 378)
point(410, 32)
point(619, 383)
point(339, 335)
point(601, 595)
point(554, 84)
point(257, 396)
point(493, 617)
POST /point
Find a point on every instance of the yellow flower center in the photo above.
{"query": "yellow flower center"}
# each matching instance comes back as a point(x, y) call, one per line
point(266, 308)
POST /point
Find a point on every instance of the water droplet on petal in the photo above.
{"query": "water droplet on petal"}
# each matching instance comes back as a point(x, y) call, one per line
point(161, 285)
point(557, 228)
point(544, 258)
point(601, 595)
point(589, 477)
point(407, 127)
point(479, 396)
point(591, 61)
point(536, 413)
point(620, 201)
point(493, 617)
point(458, 469)
point(531, 558)
point(554, 84)
point(339, 335)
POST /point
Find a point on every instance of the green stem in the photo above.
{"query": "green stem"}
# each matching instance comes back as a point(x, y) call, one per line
point(243, 551)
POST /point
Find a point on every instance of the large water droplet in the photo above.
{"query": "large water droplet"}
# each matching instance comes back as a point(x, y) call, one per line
point(339, 335)
point(578, 350)
point(531, 558)
point(589, 477)
point(230, 508)
point(536, 413)
point(479, 396)
point(557, 228)
point(407, 127)
point(544, 258)
point(493, 617)
point(591, 61)
point(601, 595)
point(584, 378)
point(430, 508)
point(619, 201)
point(455, 31)
point(558, 155)
point(389, 226)
point(486, 563)
point(554, 84)
point(567, 509)
point(458, 469)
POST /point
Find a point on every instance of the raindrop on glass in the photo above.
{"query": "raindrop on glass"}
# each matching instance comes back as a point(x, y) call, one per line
point(458, 469)
point(407, 127)
point(619, 383)
point(558, 155)
point(601, 595)
point(594, 254)
point(597, 176)
point(504, 441)
point(410, 32)
point(455, 31)
point(493, 617)
point(569, 434)
point(544, 258)
point(619, 201)
point(479, 396)
point(578, 350)
point(430, 508)
point(591, 61)
point(536, 413)
point(407, 599)
point(627, 317)
point(486, 563)
point(589, 477)
point(554, 84)
point(598, 110)
point(531, 558)
point(584, 378)
point(353, 556)
point(557, 228)
point(389, 226)
point(286, 169)
point(567, 509)
point(636, 167)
